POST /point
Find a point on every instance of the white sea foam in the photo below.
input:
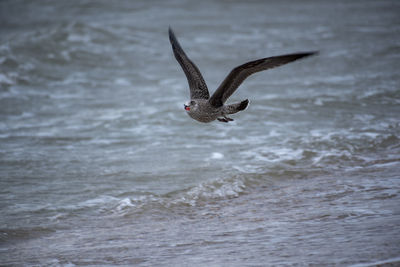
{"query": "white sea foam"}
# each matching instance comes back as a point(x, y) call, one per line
point(318, 102)
point(219, 188)
point(75, 37)
point(98, 201)
point(272, 154)
point(124, 204)
point(66, 55)
point(217, 155)
point(122, 82)
point(5, 79)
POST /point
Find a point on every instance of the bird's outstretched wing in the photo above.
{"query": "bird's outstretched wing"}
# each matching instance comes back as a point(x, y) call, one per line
point(198, 88)
point(240, 73)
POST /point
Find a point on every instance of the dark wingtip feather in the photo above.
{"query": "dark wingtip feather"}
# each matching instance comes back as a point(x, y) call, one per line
point(243, 105)
point(299, 55)
point(171, 34)
point(307, 54)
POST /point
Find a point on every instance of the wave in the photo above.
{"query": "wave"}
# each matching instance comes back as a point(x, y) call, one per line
point(389, 262)
point(199, 195)
point(21, 234)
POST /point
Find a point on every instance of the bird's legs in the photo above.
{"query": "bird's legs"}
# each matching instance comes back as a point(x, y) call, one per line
point(225, 119)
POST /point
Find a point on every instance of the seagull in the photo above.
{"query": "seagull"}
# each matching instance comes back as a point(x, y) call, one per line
point(204, 108)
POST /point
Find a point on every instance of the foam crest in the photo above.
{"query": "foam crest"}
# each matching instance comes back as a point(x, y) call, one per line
point(201, 194)
point(216, 189)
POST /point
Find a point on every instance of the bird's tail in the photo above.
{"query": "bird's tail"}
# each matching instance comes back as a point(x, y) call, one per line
point(236, 107)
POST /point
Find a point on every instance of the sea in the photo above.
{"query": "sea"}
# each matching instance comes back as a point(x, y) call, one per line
point(101, 166)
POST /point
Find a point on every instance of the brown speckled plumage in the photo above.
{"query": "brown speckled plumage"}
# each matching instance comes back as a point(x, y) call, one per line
point(204, 108)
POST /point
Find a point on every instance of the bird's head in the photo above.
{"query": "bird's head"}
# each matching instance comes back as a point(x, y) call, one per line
point(190, 106)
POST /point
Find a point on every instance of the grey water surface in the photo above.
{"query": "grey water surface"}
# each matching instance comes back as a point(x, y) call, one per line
point(100, 165)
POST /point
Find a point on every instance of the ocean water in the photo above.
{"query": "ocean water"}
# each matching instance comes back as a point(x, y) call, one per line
point(100, 165)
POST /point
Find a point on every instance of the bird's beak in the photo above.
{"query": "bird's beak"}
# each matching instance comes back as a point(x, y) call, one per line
point(187, 108)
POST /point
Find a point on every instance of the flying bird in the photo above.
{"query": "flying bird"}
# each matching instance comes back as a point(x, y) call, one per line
point(204, 108)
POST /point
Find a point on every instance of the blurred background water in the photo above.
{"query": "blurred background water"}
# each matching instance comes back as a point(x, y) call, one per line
point(100, 165)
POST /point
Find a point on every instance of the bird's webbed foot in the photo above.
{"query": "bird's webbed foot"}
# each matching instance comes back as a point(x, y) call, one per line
point(225, 119)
